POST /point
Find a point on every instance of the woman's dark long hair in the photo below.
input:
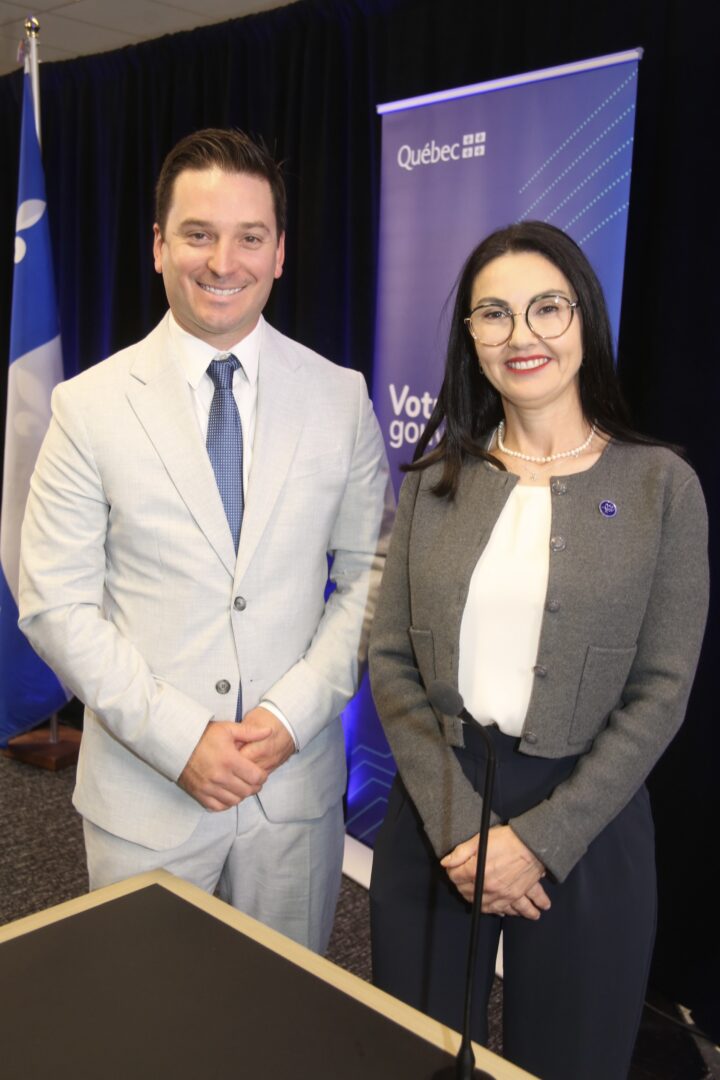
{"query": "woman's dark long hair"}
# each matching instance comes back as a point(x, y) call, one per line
point(470, 406)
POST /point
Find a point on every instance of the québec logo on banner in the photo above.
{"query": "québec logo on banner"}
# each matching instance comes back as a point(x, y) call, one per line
point(471, 145)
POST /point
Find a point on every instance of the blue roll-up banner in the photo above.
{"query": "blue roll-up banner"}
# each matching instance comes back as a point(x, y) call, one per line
point(552, 145)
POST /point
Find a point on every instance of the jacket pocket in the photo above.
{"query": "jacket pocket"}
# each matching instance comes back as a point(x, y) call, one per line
point(604, 675)
point(424, 649)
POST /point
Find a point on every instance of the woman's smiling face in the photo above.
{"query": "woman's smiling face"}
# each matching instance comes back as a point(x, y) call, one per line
point(528, 371)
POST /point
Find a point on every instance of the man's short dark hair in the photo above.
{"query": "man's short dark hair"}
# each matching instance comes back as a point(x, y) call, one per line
point(228, 149)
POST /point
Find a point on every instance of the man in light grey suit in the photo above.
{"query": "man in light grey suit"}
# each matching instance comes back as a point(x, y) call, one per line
point(175, 561)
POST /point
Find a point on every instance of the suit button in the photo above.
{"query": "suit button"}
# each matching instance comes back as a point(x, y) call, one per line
point(222, 686)
point(530, 738)
point(540, 670)
point(239, 603)
point(557, 543)
point(558, 487)
point(552, 605)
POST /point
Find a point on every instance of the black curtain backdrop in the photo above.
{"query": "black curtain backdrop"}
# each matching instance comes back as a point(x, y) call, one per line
point(307, 77)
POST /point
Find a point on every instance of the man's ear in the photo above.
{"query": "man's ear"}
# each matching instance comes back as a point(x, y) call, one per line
point(157, 248)
point(279, 255)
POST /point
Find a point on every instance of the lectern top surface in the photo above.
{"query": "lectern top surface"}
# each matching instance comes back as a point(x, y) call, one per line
point(150, 986)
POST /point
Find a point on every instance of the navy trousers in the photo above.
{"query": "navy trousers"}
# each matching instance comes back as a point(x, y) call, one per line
point(574, 981)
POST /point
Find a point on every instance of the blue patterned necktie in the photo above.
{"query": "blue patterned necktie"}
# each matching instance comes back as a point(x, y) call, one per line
point(225, 442)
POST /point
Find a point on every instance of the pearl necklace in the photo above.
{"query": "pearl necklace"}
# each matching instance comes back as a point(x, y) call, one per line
point(541, 460)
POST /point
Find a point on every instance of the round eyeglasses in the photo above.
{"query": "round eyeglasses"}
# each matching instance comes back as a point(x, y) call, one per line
point(547, 316)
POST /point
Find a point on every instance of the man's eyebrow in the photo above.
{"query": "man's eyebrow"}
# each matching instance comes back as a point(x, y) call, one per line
point(254, 225)
point(199, 223)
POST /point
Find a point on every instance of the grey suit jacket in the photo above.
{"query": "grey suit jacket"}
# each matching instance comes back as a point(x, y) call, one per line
point(621, 634)
point(131, 590)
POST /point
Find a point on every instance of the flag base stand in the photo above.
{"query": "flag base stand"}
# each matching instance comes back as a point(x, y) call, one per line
point(39, 748)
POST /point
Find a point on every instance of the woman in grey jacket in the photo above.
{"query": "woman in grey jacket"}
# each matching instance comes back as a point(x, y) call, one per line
point(552, 564)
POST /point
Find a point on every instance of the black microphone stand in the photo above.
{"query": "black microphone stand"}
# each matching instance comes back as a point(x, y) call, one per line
point(450, 702)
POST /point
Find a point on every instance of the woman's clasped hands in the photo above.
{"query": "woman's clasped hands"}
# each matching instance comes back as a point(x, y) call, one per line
point(512, 874)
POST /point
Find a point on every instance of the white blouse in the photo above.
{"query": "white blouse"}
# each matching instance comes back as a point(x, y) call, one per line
point(503, 613)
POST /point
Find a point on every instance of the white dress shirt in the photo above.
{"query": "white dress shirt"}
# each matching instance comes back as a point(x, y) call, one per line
point(500, 629)
point(194, 357)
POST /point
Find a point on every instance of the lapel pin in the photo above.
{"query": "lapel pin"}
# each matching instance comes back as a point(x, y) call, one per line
point(607, 508)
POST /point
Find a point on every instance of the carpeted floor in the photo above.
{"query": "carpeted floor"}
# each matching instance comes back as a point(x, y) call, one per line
point(42, 863)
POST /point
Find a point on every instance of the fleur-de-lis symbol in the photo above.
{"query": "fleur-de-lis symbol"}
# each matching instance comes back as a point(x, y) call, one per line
point(29, 213)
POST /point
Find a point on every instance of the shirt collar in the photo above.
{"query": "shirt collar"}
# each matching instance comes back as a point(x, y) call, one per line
point(194, 355)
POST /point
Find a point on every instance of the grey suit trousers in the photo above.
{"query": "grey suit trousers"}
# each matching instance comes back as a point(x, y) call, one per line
point(285, 874)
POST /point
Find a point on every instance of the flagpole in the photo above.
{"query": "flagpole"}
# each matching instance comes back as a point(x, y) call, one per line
point(32, 30)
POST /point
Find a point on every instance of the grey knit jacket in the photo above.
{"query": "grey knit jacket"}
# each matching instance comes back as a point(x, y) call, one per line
point(621, 633)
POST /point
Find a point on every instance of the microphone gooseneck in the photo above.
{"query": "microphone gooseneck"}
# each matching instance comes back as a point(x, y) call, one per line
point(449, 701)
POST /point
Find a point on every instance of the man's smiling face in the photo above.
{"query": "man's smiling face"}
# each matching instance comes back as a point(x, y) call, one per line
point(219, 253)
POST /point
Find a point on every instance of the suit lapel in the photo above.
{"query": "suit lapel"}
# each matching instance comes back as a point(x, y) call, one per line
point(160, 398)
point(277, 430)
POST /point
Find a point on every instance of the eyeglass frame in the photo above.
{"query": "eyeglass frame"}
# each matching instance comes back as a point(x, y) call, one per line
point(513, 314)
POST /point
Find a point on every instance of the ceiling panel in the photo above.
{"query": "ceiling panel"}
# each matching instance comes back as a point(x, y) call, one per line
point(226, 9)
point(76, 37)
point(9, 12)
point(131, 15)
point(32, 8)
point(91, 26)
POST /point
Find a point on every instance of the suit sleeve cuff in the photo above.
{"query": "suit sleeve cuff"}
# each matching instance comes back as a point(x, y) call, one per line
point(265, 704)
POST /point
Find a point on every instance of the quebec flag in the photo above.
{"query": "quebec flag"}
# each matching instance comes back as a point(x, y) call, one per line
point(29, 692)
